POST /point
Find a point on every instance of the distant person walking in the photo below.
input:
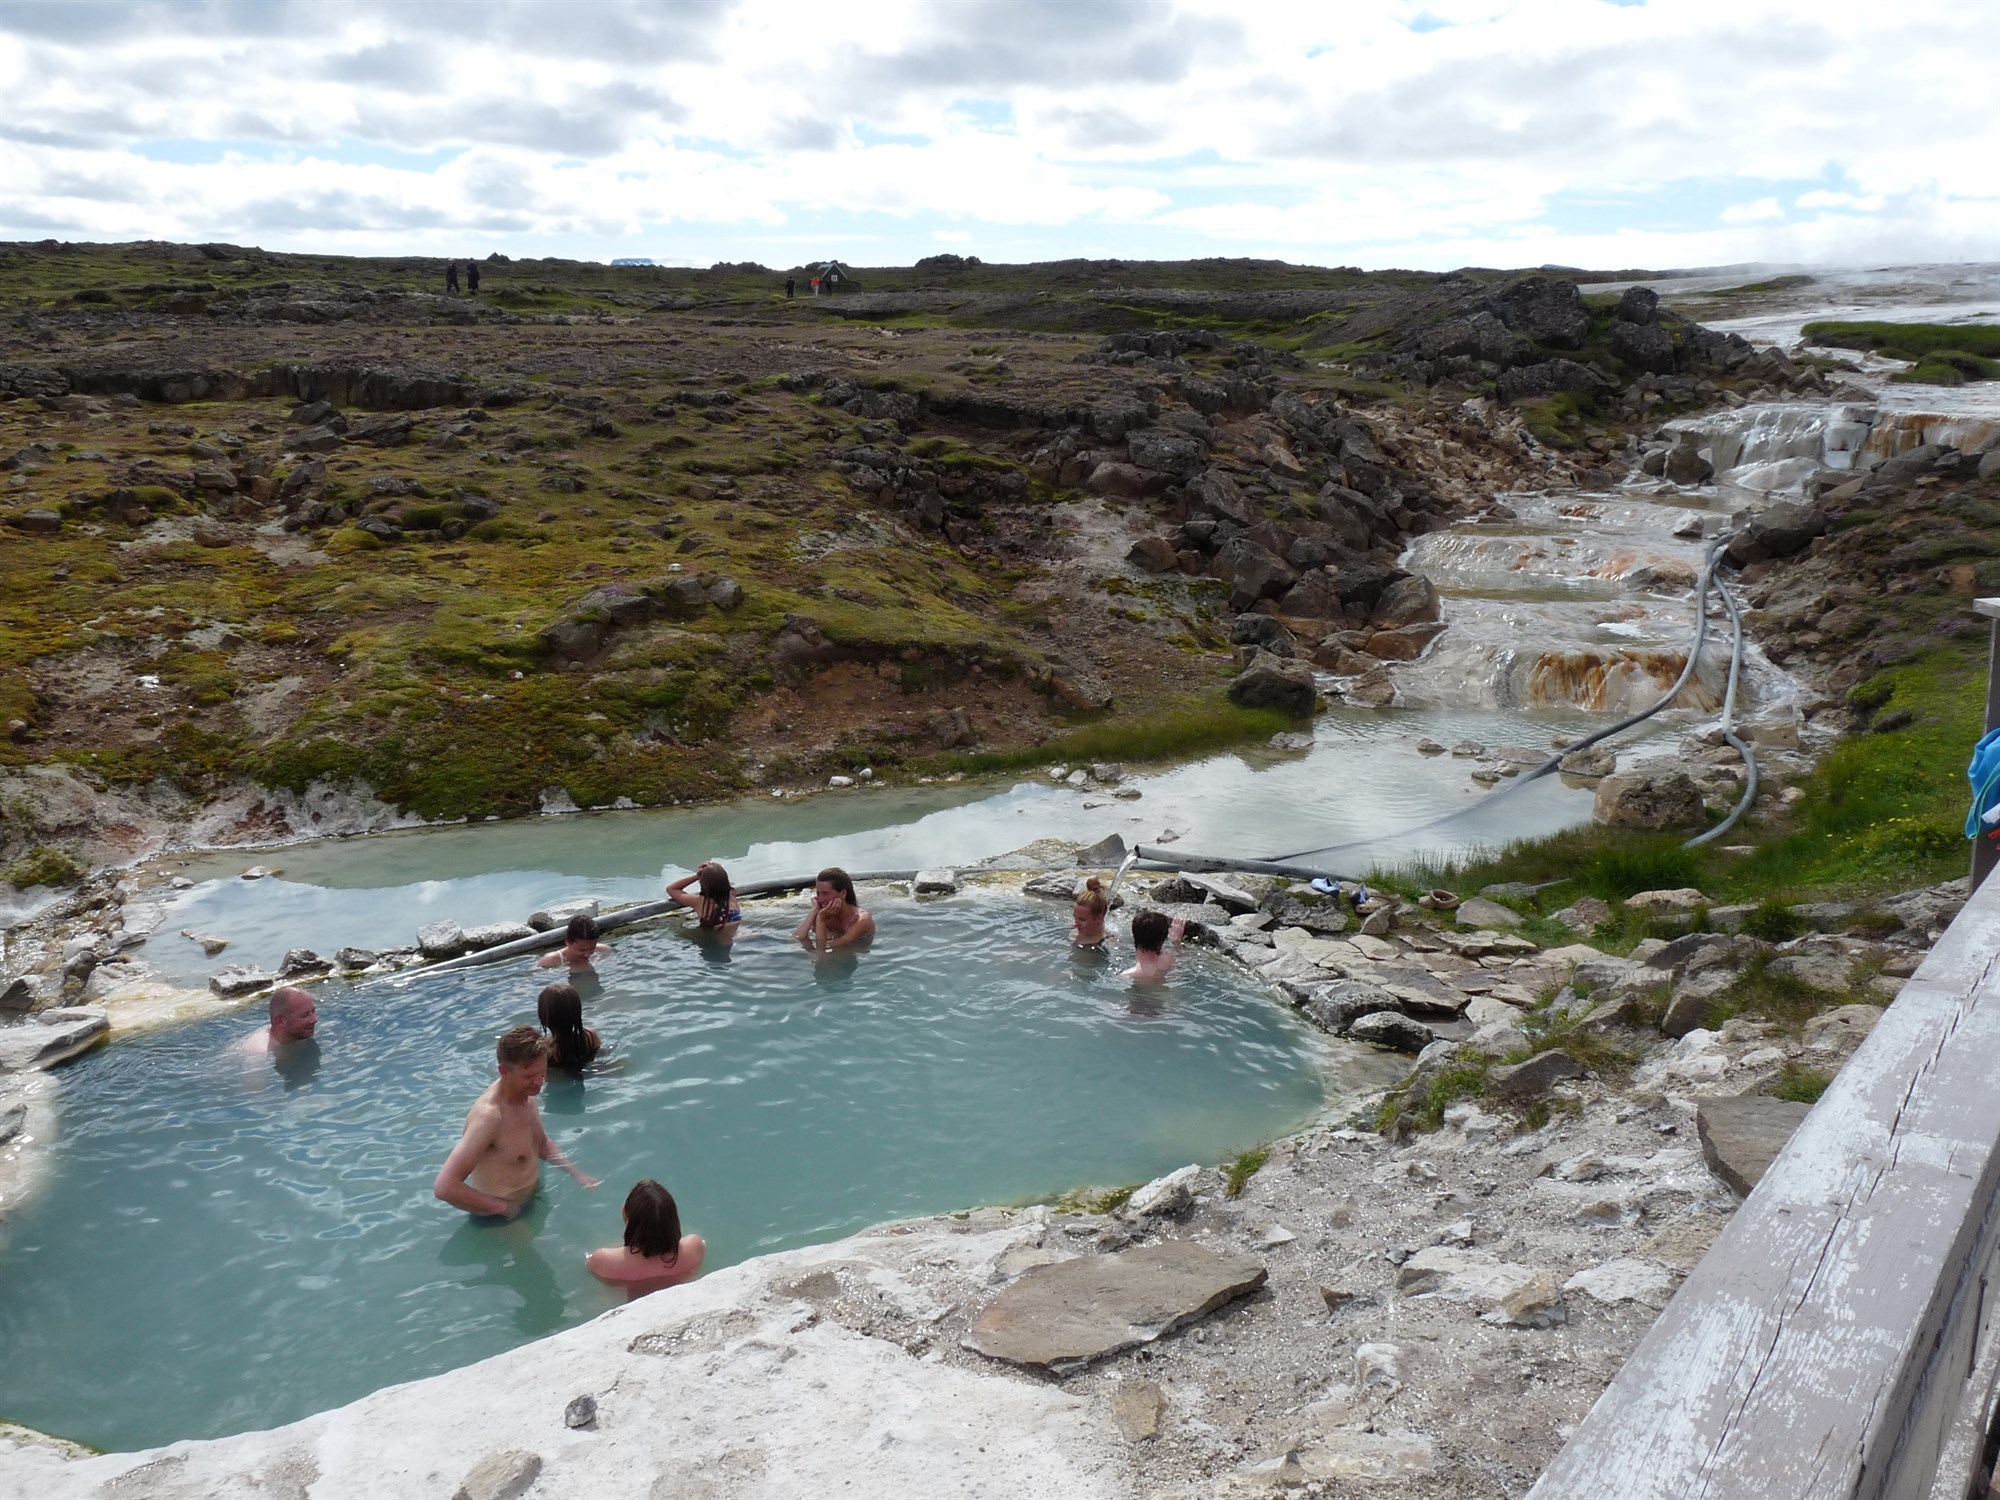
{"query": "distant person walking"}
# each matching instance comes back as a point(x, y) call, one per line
point(791, 287)
point(451, 277)
point(472, 277)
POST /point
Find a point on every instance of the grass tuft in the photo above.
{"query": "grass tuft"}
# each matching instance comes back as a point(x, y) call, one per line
point(1239, 1172)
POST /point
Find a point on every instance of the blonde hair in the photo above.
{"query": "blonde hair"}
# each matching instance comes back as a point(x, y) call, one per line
point(1093, 897)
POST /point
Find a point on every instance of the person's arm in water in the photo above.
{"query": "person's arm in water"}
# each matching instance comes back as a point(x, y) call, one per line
point(808, 930)
point(550, 960)
point(863, 926)
point(451, 1187)
point(550, 1151)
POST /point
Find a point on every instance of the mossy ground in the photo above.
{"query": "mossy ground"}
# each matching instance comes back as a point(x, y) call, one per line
point(655, 427)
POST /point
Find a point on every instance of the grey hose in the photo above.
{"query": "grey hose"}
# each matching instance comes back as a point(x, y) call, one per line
point(1705, 583)
point(1729, 725)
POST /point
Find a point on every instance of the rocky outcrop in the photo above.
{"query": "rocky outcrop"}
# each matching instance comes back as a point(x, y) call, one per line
point(1649, 799)
point(1276, 682)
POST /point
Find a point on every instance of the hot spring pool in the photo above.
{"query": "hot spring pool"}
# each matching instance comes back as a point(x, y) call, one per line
point(219, 1247)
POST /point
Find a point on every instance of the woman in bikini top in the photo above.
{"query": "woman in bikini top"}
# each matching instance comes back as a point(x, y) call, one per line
point(713, 900)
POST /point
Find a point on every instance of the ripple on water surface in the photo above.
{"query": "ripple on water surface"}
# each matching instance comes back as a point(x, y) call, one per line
point(222, 1247)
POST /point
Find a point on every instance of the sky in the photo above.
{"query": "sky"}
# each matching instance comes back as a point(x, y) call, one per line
point(1418, 133)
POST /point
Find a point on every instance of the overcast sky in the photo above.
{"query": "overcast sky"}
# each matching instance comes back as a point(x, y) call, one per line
point(1426, 133)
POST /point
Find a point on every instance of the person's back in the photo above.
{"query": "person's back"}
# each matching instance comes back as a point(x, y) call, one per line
point(655, 1255)
point(572, 1045)
point(1152, 959)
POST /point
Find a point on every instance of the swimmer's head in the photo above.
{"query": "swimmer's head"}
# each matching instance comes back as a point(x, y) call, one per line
point(715, 885)
point(560, 1008)
point(833, 885)
point(1092, 902)
point(294, 1017)
point(524, 1052)
point(652, 1221)
point(582, 929)
point(1149, 931)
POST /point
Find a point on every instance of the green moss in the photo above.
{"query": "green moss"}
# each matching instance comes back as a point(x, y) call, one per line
point(1189, 727)
point(1801, 1084)
point(1910, 340)
point(43, 865)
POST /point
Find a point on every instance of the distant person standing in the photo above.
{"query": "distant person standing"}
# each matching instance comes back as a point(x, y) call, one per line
point(791, 287)
point(472, 277)
point(451, 277)
point(815, 286)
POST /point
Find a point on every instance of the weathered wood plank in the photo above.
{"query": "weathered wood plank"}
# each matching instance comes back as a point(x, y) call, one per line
point(1824, 1346)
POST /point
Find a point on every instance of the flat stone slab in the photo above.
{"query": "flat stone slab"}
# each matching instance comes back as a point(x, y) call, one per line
point(240, 979)
point(1479, 912)
point(1740, 1137)
point(53, 1037)
point(1060, 1318)
point(493, 934)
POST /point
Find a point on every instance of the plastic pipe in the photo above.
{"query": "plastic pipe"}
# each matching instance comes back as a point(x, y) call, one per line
point(626, 917)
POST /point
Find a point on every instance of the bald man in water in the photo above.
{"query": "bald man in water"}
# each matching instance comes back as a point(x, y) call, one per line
point(294, 1018)
point(497, 1164)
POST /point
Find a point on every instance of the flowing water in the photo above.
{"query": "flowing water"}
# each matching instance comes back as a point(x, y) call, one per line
point(225, 1245)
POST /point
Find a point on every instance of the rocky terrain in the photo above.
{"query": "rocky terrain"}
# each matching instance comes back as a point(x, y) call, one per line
point(1417, 1296)
point(298, 545)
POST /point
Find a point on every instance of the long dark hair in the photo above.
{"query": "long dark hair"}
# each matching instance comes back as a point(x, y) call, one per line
point(713, 883)
point(652, 1221)
point(839, 879)
point(561, 1010)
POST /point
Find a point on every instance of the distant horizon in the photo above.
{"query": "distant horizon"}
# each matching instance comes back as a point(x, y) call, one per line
point(1426, 135)
point(658, 263)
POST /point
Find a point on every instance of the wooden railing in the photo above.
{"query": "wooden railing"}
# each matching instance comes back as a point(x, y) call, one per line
point(1838, 1339)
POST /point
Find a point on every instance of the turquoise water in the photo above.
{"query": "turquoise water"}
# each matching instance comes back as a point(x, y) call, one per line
point(1362, 780)
point(221, 1247)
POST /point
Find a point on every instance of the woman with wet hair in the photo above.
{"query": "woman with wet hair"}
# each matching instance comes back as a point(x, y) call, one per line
point(655, 1254)
point(836, 921)
point(1087, 916)
point(713, 901)
point(572, 1044)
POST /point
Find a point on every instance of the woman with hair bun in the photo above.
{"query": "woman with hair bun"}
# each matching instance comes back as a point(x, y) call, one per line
point(1087, 916)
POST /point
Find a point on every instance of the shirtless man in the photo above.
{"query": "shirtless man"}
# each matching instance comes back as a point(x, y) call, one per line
point(497, 1164)
point(293, 1019)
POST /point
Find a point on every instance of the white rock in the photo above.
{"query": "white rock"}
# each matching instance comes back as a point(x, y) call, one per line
point(938, 882)
point(1378, 1367)
point(839, 781)
point(1165, 1195)
point(1625, 1280)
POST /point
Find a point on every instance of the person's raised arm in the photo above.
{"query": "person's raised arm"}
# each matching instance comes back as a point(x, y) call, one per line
point(451, 1186)
point(863, 926)
point(550, 1151)
point(806, 930)
point(678, 891)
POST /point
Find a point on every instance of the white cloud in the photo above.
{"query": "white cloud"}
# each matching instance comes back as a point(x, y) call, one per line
point(1761, 211)
point(1510, 132)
